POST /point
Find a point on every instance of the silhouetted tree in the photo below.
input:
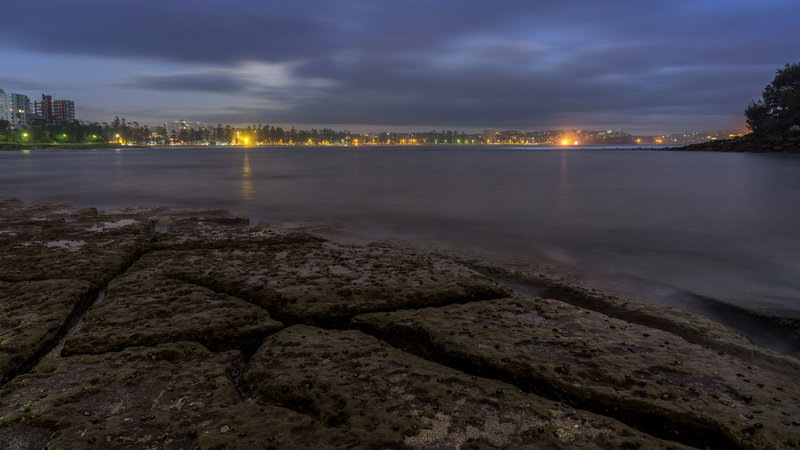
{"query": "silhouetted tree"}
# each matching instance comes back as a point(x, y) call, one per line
point(4, 124)
point(779, 107)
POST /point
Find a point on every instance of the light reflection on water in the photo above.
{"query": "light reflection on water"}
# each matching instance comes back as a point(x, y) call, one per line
point(247, 184)
point(718, 225)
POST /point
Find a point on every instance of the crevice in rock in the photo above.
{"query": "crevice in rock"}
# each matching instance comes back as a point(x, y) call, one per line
point(71, 325)
point(302, 406)
point(692, 431)
point(236, 375)
point(57, 341)
point(333, 321)
point(246, 345)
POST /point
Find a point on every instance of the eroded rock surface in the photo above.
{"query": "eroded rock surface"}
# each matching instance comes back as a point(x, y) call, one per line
point(650, 378)
point(56, 241)
point(188, 227)
point(33, 314)
point(146, 307)
point(692, 327)
point(380, 395)
point(170, 396)
point(540, 278)
point(190, 295)
point(301, 279)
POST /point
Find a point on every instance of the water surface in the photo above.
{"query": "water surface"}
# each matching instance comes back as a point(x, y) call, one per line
point(667, 226)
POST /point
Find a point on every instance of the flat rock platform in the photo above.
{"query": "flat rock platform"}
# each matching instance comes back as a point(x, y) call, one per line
point(158, 327)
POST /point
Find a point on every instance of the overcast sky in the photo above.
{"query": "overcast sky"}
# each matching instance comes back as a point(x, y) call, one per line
point(646, 66)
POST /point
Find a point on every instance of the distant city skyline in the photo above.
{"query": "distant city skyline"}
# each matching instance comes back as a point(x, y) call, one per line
point(641, 67)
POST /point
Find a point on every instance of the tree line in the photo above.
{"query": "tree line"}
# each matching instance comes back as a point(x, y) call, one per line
point(124, 131)
point(75, 132)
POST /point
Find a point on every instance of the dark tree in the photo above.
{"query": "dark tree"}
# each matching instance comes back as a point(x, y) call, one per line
point(779, 107)
point(4, 124)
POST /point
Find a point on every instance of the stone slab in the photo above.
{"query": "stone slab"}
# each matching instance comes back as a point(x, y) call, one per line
point(176, 395)
point(380, 395)
point(33, 315)
point(649, 378)
point(302, 280)
point(56, 241)
point(146, 307)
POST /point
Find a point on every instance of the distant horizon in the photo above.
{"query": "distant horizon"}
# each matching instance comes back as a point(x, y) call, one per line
point(377, 128)
point(736, 125)
point(739, 127)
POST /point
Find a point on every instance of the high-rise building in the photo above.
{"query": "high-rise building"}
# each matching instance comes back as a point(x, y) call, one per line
point(14, 108)
point(63, 111)
point(44, 108)
point(55, 112)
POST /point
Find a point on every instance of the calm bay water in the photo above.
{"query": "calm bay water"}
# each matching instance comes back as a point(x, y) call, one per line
point(664, 226)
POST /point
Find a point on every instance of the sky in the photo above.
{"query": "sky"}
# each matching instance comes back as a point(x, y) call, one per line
point(646, 66)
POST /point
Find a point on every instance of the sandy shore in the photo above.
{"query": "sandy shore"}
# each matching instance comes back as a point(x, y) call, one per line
point(179, 328)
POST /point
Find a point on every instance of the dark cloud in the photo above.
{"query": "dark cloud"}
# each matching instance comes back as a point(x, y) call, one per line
point(10, 84)
point(212, 82)
point(178, 30)
point(511, 63)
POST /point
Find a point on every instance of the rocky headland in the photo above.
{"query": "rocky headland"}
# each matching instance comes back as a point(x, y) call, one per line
point(185, 328)
point(788, 142)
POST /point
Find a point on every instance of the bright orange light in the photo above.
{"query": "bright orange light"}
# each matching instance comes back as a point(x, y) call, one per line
point(575, 143)
point(564, 142)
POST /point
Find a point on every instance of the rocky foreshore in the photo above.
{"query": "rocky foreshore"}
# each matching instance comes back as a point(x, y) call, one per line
point(788, 143)
point(184, 328)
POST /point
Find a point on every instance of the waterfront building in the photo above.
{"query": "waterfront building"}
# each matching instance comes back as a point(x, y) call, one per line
point(63, 111)
point(55, 112)
point(176, 126)
point(33, 118)
point(44, 108)
point(14, 108)
point(490, 136)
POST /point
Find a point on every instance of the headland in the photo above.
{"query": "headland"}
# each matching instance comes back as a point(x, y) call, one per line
point(785, 143)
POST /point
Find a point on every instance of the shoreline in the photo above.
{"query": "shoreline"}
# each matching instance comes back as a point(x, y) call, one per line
point(733, 146)
point(18, 147)
point(223, 333)
point(534, 275)
point(788, 143)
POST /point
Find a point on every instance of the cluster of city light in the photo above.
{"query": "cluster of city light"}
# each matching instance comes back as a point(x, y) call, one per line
point(249, 137)
point(242, 140)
